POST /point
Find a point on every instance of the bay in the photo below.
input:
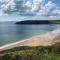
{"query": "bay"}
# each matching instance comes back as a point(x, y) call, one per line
point(11, 32)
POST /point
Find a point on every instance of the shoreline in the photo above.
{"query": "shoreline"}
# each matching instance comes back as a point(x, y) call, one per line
point(46, 39)
point(17, 44)
point(12, 45)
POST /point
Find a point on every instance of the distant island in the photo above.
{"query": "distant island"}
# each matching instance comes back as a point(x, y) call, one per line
point(39, 22)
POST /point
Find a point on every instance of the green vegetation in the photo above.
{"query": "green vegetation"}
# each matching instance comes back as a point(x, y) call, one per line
point(54, 21)
point(32, 53)
point(38, 22)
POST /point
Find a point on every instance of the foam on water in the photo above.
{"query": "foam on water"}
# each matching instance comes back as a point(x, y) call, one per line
point(56, 32)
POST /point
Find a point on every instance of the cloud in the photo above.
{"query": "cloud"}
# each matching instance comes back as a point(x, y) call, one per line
point(30, 7)
point(36, 5)
point(47, 9)
point(7, 4)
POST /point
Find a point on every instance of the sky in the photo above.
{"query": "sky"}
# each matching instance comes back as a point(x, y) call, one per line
point(16, 10)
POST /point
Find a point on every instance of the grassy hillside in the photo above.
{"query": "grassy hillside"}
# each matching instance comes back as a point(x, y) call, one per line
point(32, 53)
point(54, 21)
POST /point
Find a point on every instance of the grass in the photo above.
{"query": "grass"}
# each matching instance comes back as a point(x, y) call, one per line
point(32, 53)
point(54, 21)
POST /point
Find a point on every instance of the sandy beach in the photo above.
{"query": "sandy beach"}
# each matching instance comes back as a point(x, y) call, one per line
point(46, 39)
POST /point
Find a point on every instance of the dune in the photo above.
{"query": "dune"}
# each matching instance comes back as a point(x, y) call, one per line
point(47, 39)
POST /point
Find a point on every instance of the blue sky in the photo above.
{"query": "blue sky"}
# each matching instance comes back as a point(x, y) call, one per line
point(30, 9)
point(56, 2)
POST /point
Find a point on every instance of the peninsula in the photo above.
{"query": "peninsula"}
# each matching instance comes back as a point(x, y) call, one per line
point(39, 22)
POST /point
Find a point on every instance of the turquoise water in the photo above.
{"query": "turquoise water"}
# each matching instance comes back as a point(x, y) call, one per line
point(10, 32)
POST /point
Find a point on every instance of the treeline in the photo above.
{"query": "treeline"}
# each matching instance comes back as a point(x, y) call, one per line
point(32, 53)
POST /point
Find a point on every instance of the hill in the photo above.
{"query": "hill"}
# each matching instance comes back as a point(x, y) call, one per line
point(39, 22)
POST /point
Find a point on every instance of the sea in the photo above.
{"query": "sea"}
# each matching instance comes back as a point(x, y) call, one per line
point(11, 32)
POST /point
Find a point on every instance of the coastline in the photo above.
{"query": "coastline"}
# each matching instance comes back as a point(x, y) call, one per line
point(12, 45)
point(46, 39)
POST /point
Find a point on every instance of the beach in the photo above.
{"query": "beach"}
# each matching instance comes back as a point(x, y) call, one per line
point(11, 32)
point(46, 39)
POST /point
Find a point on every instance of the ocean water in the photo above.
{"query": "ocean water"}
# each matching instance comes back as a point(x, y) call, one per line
point(10, 32)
